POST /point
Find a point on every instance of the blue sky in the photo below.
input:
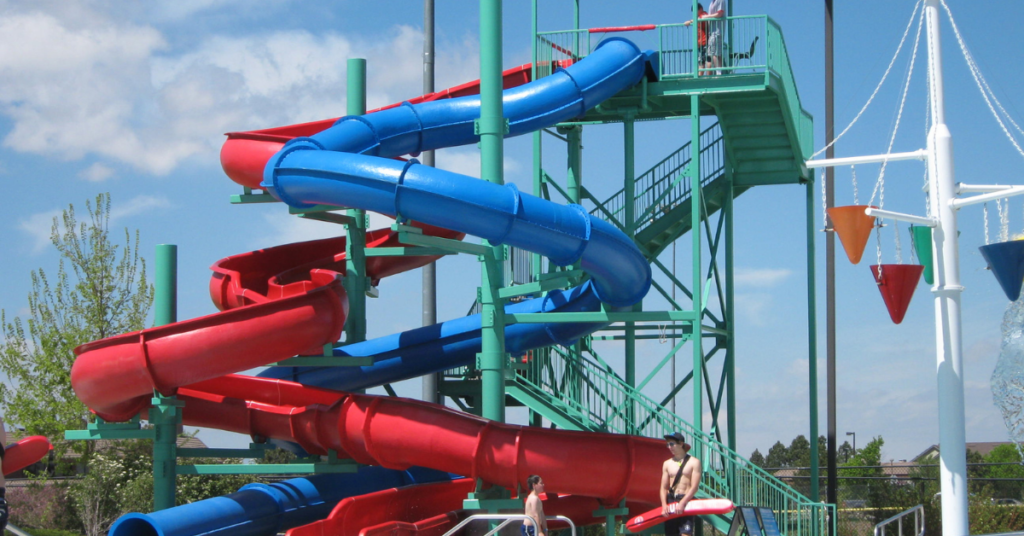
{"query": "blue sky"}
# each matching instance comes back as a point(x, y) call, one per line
point(133, 98)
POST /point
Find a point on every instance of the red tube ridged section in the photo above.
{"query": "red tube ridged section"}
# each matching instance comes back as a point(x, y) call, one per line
point(399, 433)
point(282, 271)
point(115, 376)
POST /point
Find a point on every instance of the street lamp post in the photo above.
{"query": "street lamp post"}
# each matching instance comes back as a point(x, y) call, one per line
point(854, 434)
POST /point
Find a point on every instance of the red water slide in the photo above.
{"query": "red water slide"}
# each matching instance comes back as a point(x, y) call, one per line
point(430, 510)
point(398, 433)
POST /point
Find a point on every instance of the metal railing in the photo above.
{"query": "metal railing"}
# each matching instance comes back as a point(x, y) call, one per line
point(736, 42)
point(657, 189)
point(917, 511)
point(593, 391)
point(554, 47)
point(506, 519)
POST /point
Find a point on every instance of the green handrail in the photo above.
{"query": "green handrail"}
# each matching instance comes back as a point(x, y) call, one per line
point(600, 397)
point(657, 188)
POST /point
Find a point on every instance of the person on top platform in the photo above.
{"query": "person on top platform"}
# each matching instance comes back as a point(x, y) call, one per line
point(703, 60)
point(535, 509)
point(680, 478)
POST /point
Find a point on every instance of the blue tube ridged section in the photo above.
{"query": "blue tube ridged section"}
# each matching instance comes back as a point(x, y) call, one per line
point(261, 509)
point(317, 170)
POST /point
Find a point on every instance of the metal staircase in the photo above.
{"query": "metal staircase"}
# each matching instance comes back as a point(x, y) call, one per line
point(586, 394)
point(662, 198)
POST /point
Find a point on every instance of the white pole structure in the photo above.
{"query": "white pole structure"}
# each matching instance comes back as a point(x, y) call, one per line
point(947, 290)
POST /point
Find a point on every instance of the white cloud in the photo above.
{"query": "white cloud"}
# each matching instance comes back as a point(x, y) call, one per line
point(753, 308)
point(89, 84)
point(96, 173)
point(138, 205)
point(761, 277)
point(38, 226)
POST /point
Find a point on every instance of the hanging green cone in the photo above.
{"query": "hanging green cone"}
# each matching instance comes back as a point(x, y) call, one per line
point(922, 239)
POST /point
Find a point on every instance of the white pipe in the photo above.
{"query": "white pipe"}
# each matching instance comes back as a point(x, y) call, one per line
point(910, 218)
point(947, 290)
point(984, 198)
point(871, 159)
point(962, 188)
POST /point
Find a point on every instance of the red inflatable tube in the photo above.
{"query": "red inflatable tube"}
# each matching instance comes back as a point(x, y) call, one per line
point(166, 357)
point(696, 507)
point(399, 433)
point(24, 453)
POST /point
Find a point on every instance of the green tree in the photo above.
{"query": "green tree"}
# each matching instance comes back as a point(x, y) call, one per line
point(844, 452)
point(1006, 454)
point(799, 452)
point(758, 459)
point(778, 456)
point(100, 290)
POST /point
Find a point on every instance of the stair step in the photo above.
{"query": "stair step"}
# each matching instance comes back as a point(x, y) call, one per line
point(751, 118)
point(761, 105)
point(766, 166)
point(755, 155)
point(763, 142)
point(739, 132)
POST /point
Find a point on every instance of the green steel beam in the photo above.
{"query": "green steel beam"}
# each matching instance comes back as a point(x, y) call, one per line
point(248, 198)
point(266, 469)
point(165, 416)
point(356, 282)
point(730, 315)
point(600, 317)
point(695, 214)
point(812, 342)
point(406, 252)
point(492, 128)
point(629, 205)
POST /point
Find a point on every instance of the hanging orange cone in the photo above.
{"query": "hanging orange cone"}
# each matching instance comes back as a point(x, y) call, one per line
point(897, 283)
point(853, 228)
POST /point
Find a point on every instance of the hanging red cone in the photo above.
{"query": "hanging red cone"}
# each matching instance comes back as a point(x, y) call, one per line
point(897, 283)
point(853, 228)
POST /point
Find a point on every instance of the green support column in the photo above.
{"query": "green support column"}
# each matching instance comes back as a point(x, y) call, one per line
point(536, 266)
point(812, 343)
point(629, 215)
point(698, 284)
point(491, 127)
point(730, 330)
point(165, 416)
point(356, 282)
point(574, 186)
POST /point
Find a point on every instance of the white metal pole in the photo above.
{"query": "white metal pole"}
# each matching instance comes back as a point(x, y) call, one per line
point(947, 290)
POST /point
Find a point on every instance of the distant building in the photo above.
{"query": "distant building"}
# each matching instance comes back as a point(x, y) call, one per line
point(931, 454)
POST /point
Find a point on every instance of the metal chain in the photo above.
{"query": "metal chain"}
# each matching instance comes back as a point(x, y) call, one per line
point(1004, 219)
point(880, 185)
point(985, 212)
point(878, 241)
point(824, 206)
point(910, 23)
point(856, 193)
point(983, 86)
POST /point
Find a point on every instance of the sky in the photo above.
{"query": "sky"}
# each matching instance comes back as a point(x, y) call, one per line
point(133, 99)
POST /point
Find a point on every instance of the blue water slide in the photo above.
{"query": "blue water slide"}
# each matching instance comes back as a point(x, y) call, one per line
point(328, 169)
point(262, 509)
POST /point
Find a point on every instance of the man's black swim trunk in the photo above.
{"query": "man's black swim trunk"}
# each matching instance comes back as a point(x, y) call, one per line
point(679, 525)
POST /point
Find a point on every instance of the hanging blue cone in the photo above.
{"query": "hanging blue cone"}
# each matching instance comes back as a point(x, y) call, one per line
point(1006, 260)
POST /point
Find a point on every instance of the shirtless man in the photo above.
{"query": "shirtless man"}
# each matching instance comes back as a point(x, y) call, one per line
point(3, 483)
point(680, 478)
point(535, 509)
